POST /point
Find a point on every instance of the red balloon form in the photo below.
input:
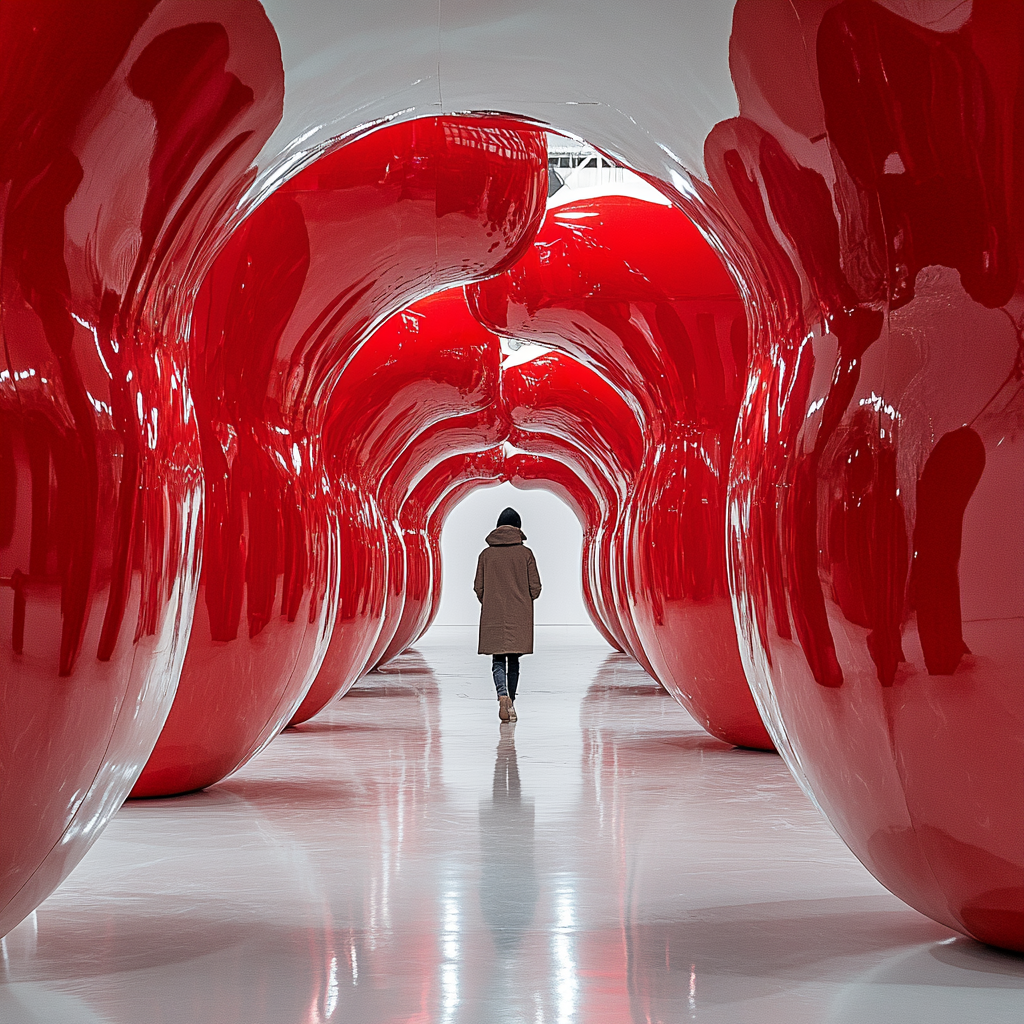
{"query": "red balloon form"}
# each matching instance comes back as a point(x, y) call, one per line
point(460, 435)
point(362, 590)
point(869, 541)
point(356, 236)
point(439, 391)
point(875, 499)
point(632, 290)
point(104, 219)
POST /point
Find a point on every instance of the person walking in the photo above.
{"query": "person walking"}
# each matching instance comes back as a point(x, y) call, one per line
point(507, 583)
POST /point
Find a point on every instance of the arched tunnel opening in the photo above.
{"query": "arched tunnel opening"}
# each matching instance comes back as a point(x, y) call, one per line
point(553, 531)
point(251, 366)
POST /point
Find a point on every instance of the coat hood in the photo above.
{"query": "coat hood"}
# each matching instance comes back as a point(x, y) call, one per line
point(502, 535)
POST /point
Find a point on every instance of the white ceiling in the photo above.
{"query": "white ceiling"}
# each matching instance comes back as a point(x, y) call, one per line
point(643, 79)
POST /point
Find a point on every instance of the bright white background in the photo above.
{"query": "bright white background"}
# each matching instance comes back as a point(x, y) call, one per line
point(553, 534)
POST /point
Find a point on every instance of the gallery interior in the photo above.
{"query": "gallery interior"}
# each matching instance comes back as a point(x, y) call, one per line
point(726, 297)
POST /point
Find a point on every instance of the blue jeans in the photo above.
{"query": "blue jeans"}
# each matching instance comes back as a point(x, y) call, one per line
point(505, 682)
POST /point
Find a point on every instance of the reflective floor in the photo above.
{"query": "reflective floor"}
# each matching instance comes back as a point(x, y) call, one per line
point(404, 857)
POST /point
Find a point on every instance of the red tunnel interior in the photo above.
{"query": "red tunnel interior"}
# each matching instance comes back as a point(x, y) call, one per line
point(786, 409)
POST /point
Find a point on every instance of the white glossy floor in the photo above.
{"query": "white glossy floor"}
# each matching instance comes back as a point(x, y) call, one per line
point(406, 858)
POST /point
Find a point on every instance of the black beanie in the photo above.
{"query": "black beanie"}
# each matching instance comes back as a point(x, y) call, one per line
point(510, 517)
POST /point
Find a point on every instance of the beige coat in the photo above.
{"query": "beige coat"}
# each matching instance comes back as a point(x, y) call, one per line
point(507, 584)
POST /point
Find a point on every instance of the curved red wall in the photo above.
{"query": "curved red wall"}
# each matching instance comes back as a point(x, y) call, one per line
point(384, 430)
point(632, 290)
point(105, 216)
point(875, 495)
point(565, 411)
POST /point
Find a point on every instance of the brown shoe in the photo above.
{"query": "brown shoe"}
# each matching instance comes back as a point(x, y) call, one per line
point(513, 717)
point(504, 706)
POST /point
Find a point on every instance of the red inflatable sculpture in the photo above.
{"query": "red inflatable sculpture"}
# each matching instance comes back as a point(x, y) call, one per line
point(876, 541)
point(451, 480)
point(473, 421)
point(531, 472)
point(819, 489)
point(561, 409)
point(104, 220)
point(446, 440)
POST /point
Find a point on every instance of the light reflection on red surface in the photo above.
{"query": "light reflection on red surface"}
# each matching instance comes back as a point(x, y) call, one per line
point(423, 387)
point(470, 419)
point(426, 510)
point(529, 472)
point(563, 410)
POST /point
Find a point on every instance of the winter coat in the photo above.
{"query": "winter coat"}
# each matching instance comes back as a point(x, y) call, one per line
point(507, 584)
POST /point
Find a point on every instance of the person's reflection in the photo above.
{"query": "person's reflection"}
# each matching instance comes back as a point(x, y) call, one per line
point(508, 882)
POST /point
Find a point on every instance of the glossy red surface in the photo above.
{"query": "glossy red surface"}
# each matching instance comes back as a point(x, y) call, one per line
point(356, 236)
point(473, 419)
point(450, 481)
point(605, 564)
point(422, 516)
point(632, 290)
point(103, 215)
point(363, 561)
point(877, 479)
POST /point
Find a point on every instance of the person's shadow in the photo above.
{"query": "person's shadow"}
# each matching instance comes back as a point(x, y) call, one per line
point(508, 880)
